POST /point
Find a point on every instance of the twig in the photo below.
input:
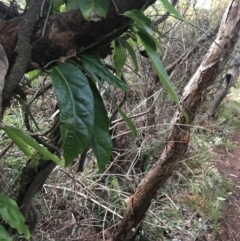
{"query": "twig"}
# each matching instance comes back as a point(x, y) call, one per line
point(85, 196)
point(143, 113)
point(230, 230)
point(3, 152)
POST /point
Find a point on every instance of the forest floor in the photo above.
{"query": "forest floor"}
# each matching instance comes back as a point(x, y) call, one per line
point(229, 164)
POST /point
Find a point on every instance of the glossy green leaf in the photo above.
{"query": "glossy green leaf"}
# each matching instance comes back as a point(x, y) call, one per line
point(131, 53)
point(90, 8)
point(93, 63)
point(119, 57)
point(26, 142)
point(150, 47)
point(4, 235)
point(10, 213)
point(171, 9)
point(101, 141)
point(76, 105)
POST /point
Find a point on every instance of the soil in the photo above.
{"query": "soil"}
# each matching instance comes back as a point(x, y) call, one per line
point(229, 164)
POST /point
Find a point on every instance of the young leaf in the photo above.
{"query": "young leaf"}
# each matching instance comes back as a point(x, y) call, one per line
point(76, 105)
point(57, 5)
point(150, 47)
point(25, 142)
point(171, 9)
point(94, 64)
point(4, 235)
point(10, 213)
point(101, 141)
point(90, 8)
point(119, 57)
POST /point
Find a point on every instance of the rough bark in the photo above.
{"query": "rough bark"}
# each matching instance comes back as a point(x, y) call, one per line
point(229, 80)
point(177, 141)
point(23, 47)
point(66, 31)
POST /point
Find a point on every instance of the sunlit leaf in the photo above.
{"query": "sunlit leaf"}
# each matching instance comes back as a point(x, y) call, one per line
point(4, 235)
point(57, 5)
point(26, 142)
point(10, 213)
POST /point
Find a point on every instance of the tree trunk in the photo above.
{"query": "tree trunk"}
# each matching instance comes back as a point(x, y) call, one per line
point(229, 80)
point(177, 141)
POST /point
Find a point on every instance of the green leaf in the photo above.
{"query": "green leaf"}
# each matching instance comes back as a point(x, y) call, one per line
point(171, 9)
point(10, 213)
point(32, 75)
point(4, 235)
point(128, 121)
point(22, 145)
point(90, 8)
point(57, 5)
point(143, 23)
point(92, 63)
point(25, 142)
point(76, 105)
point(131, 53)
point(119, 57)
point(101, 141)
point(125, 118)
point(141, 20)
point(150, 47)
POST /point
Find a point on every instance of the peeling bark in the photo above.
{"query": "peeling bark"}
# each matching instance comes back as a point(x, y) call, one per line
point(229, 80)
point(178, 139)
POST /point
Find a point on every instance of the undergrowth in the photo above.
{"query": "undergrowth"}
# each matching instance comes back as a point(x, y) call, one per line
point(77, 206)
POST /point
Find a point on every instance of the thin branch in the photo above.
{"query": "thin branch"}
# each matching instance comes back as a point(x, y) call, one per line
point(84, 196)
point(166, 15)
point(24, 49)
